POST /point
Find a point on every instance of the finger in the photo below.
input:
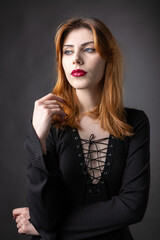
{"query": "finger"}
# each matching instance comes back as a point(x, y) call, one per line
point(18, 211)
point(19, 224)
point(52, 106)
point(50, 102)
point(22, 217)
point(27, 228)
point(58, 112)
point(51, 96)
point(23, 222)
point(54, 101)
point(18, 218)
point(21, 212)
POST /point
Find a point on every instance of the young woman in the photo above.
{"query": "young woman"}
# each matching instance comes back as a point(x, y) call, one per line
point(88, 156)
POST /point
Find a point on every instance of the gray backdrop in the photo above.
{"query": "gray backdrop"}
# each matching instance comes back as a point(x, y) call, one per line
point(27, 73)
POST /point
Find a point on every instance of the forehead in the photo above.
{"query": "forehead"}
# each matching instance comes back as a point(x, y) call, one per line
point(79, 36)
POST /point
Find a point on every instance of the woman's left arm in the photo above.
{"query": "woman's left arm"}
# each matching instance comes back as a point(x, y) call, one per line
point(126, 208)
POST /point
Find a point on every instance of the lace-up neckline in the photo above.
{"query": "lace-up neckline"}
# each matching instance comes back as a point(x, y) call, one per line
point(95, 152)
point(95, 185)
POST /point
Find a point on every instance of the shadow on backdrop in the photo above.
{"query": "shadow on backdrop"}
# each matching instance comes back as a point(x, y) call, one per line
point(28, 73)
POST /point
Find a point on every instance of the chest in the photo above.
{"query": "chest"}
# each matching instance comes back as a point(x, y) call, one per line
point(94, 143)
point(72, 164)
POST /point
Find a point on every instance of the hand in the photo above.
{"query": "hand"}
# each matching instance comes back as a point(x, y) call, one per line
point(44, 109)
point(21, 216)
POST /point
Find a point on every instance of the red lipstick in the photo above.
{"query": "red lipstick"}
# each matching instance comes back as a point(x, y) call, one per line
point(78, 73)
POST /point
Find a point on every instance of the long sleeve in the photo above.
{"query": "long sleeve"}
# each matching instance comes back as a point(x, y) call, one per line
point(45, 189)
point(129, 205)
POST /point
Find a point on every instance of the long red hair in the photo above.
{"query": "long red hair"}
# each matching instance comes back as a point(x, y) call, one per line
point(110, 110)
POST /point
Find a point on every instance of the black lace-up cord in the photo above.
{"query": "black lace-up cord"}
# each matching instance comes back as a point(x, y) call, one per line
point(88, 166)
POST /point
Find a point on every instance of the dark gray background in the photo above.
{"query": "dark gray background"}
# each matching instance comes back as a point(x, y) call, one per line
point(27, 73)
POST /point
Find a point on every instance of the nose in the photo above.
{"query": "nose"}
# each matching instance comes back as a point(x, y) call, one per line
point(77, 59)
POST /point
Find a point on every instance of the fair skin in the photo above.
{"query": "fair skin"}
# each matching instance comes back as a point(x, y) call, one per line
point(78, 53)
point(21, 216)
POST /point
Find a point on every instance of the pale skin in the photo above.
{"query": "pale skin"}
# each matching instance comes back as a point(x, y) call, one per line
point(78, 53)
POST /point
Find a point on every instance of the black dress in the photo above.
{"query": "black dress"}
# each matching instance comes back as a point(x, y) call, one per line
point(64, 204)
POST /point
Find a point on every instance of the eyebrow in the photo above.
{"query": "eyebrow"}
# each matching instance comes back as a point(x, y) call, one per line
point(70, 45)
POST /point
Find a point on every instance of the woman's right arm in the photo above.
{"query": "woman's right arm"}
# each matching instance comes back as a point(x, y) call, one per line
point(44, 109)
point(45, 188)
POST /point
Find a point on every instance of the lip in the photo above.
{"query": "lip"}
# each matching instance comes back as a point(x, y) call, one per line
point(78, 73)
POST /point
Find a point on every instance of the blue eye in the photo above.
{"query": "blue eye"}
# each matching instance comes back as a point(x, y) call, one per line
point(68, 52)
point(89, 50)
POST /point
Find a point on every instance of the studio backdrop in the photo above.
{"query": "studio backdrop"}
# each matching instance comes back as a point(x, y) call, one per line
point(27, 70)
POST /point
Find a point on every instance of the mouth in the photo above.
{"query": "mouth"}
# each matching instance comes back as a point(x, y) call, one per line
point(78, 73)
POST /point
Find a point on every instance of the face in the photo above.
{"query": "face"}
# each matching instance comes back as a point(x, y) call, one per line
point(82, 64)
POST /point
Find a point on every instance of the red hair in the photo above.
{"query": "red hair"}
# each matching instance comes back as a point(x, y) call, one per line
point(110, 110)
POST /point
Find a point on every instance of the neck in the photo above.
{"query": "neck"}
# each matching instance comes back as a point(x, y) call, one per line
point(88, 99)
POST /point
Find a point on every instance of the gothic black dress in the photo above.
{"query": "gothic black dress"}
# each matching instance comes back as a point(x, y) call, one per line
point(64, 201)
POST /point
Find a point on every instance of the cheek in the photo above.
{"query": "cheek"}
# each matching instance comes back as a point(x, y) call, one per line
point(99, 68)
point(66, 66)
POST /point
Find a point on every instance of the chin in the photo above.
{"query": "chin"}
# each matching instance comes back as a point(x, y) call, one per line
point(79, 84)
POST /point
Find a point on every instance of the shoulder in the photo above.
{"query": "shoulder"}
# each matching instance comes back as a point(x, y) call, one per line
point(134, 115)
point(136, 118)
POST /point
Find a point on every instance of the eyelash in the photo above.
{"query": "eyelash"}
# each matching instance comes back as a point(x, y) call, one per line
point(92, 49)
point(85, 50)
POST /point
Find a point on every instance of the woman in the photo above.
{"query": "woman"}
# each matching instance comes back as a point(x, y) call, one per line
point(88, 156)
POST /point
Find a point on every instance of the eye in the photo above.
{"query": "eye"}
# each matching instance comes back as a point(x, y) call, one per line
point(89, 50)
point(68, 52)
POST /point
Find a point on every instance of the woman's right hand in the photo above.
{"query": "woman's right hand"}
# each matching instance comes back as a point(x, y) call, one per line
point(44, 109)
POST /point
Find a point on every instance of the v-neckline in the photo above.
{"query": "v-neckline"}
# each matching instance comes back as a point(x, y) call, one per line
point(83, 158)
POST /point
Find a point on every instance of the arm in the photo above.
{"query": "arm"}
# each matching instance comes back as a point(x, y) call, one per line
point(126, 208)
point(45, 187)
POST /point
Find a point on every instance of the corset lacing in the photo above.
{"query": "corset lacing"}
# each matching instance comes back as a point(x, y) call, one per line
point(97, 163)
